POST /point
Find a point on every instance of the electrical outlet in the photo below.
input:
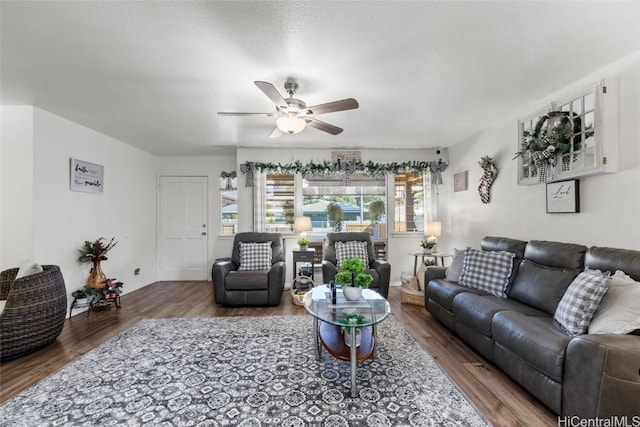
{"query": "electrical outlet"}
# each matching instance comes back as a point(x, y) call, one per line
point(136, 272)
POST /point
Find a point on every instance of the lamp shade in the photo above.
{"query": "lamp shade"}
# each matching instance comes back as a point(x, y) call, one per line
point(301, 224)
point(434, 229)
point(291, 124)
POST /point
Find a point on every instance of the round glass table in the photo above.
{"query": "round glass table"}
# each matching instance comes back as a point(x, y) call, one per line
point(330, 320)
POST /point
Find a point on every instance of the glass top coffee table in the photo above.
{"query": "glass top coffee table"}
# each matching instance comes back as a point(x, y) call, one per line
point(330, 319)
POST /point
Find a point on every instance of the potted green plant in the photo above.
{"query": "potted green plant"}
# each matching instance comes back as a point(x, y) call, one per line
point(303, 242)
point(428, 244)
point(352, 319)
point(334, 216)
point(353, 278)
point(81, 296)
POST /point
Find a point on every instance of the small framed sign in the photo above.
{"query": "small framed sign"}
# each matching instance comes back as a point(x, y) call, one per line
point(86, 177)
point(563, 196)
point(460, 181)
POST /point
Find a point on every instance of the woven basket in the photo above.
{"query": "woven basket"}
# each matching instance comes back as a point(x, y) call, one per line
point(407, 296)
point(297, 295)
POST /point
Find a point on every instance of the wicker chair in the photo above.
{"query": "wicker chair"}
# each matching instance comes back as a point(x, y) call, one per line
point(35, 310)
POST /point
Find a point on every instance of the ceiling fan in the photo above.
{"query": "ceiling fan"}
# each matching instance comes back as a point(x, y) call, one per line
point(293, 115)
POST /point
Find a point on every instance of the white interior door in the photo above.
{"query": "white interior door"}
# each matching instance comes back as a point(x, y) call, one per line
point(182, 228)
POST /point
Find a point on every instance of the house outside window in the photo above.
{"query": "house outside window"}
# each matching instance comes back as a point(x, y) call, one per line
point(229, 206)
point(279, 203)
point(412, 202)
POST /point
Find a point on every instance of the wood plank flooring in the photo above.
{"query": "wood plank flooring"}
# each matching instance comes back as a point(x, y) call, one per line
point(502, 401)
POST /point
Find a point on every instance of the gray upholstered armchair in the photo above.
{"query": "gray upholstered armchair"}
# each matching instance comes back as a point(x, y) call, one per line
point(379, 269)
point(231, 286)
point(35, 310)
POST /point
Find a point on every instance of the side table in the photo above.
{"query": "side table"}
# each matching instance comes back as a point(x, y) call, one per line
point(307, 255)
point(435, 256)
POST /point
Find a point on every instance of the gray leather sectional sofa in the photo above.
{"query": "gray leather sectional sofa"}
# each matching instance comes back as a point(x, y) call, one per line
point(587, 376)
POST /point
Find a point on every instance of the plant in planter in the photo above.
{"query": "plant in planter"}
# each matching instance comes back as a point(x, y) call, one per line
point(96, 252)
point(82, 295)
point(428, 244)
point(353, 278)
point(352, 319)
point(303, 242)
point(334, 216)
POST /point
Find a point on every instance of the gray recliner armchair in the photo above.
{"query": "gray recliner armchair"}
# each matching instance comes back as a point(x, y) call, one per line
point(379, 269)
point(250, 288)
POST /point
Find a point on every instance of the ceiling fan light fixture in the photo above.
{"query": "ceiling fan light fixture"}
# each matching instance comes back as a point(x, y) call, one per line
point(291, 124)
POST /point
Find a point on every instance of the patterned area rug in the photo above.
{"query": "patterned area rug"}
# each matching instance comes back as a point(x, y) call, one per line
point(241, 371)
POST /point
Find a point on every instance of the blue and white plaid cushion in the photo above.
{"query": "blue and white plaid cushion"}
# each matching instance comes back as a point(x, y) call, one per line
point(487, 271)
point(255, 256)
point(581, 300)
point(352, 249)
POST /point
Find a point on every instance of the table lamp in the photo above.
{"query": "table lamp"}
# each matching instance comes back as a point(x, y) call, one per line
point(433, 230)
point(302, 224)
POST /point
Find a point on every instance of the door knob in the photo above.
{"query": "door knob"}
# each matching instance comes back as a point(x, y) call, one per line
point(204, 233)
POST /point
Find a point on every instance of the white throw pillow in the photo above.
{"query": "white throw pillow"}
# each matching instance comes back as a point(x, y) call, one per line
point(29, 269)
point(580, 301)
point(350, 249)
point(255, 256)
point(455, 269)
point(619, 310)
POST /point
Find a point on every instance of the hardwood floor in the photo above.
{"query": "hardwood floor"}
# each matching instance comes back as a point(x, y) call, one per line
point(503, 402)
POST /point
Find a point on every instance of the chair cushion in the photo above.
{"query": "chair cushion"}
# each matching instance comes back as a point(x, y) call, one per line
point(538, 340)
point(29, 269)
point(443, 292)
point(619, 310)
point(255, 256)
point(581, 300)
point(247, 280)
point(352, 249)
point(488, 271)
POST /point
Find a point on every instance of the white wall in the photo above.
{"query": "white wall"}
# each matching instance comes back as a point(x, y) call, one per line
point(399, 245)
point(60, 220)
point(210, 167)
point(609, 204)
point(16, 186)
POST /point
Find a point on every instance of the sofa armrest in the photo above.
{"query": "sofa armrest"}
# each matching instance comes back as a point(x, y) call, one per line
point(434, 272)
point(602, 376)
point(277, 274)
point(329, 271)
point(383, 268)
point(219, 273)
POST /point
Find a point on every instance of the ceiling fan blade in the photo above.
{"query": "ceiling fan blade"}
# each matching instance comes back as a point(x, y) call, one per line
point(273, 94)
point(323, 126)
point(225, 113)
point(276, 132)
point(329, 107)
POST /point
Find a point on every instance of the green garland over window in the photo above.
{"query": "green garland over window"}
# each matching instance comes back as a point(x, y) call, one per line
point(330, 168)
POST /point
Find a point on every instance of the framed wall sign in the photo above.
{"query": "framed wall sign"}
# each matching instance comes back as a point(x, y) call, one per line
point(460, 181)
point(86, 177)
point(563, 196)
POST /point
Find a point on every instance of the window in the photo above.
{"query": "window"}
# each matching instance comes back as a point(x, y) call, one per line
point(411, 205)
point(279, 203)
point(362, 204)
point(229, 205)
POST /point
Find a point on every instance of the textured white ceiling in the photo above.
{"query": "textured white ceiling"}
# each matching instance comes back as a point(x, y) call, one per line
point(426, 74)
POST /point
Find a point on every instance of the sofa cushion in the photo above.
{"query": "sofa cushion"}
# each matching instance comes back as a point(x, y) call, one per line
point(351, 249)
point(247, 280)
point(455, 269)
point(487, 271)
point(478, 310)
point(443, 292)
point(619, 310)
point(255, 256)
point(538, 340)
point(578, 304)
point(540, 286)
point(556, 254)
point(613, 259)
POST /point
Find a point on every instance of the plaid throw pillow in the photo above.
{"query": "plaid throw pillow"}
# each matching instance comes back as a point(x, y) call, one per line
point(487, 271)
point(255, 256)
point(352, 249)
point(581, 300)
